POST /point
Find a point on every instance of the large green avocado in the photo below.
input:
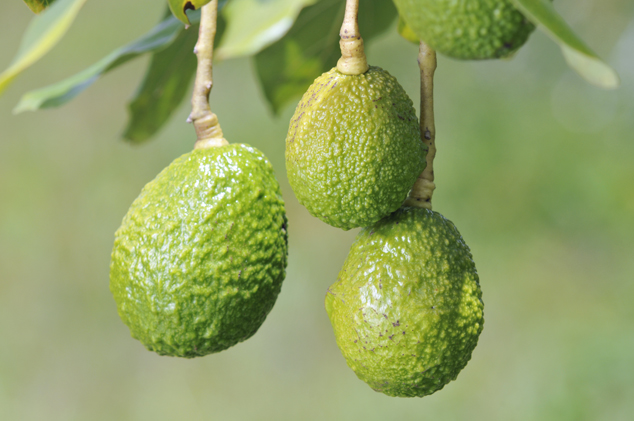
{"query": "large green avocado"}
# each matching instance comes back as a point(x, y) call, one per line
point(353, 149)
point(467, 29)
point(200, 257)
point(407, 309)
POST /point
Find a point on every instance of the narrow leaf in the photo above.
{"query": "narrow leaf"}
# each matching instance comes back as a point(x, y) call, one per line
point(179, 7)
point(164, 86)
point(289, 66)
point(59, 93)
point(38, 5)
point(254, 24)
point(43, 33)
point(577, 54)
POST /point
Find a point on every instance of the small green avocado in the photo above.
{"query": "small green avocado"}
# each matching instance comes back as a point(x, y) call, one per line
point(200, 257)
point(407, 309)
point(353, 149)
point(467, 29)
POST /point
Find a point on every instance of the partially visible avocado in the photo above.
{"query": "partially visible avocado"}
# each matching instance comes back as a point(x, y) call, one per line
point(467, 29)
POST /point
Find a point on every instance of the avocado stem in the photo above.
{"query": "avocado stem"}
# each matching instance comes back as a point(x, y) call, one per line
point(208, 131)
point(353, 60)
point(423, 189)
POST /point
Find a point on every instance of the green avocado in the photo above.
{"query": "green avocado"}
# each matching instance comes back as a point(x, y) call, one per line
point(467, 29)
point(353, 149)
point(407, 308)
point(200, 257)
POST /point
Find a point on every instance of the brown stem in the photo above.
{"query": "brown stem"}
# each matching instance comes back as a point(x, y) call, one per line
point(208, 129)
point(353, 60)
point(423, 189)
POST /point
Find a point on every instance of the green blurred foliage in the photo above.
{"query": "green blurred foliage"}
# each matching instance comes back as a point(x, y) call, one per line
point(534, 166)
point(288, 67)
point(37, 6)
point(42, 34)
point(576, 52)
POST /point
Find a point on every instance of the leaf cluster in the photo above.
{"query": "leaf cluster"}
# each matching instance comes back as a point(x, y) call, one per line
point(291, 42)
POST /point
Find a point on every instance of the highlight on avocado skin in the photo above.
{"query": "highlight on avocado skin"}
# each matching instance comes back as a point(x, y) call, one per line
point(407, 307)
point(200, 257)
point(353, 149)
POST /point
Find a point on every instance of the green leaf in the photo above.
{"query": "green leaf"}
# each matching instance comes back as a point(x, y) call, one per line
point(289, 66)
point(38, 5)
point(578, 55)
point(59, 93)
point(164, 86)
point(254, 24)
point(43, 33)
point(406, 32)
point(179, 7)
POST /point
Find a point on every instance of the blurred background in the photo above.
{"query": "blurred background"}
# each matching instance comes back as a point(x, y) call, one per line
point(535, 167)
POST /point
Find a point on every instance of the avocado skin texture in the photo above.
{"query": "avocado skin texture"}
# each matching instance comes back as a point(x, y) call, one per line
point(353, 149)
point(467, 29)
point(200, 257)
point(407, 308)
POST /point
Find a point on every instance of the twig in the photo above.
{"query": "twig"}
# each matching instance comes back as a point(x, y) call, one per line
point(423, 189)
point(208, 129)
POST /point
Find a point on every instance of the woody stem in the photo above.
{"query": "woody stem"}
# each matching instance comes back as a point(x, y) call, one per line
point(208, 131)
point(421, 193)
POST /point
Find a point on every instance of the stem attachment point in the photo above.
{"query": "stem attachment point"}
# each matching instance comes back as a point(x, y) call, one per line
point(208, 131)
point(353, 60)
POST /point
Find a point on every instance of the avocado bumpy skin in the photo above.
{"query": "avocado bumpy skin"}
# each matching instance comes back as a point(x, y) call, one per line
point(467, 29)
point(200, 257)
point(407, 308)
point(353, 149)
